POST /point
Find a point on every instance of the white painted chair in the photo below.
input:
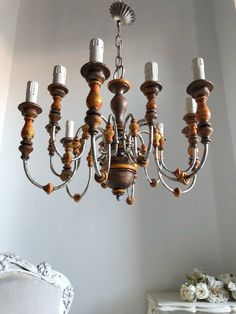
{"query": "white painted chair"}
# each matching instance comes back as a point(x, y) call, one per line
point(29, 289)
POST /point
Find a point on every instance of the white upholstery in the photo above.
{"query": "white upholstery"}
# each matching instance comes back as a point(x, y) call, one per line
point(22, 293)
point(29, 289)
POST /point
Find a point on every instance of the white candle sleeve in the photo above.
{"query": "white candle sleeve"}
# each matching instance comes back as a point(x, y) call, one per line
point(151, 71)
point(69, 129)
point(96, 48)
point(190, 105)
point(32, 91)
point(160, 127)
point(198, 69)
point(59, 74)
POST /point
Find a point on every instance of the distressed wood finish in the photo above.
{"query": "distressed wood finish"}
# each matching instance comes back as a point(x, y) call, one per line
point(67, 158)
point(95, 74)
point(57, 91)
point(119, 103)
point(200, 90)
point(151, 89)
point(30, 112)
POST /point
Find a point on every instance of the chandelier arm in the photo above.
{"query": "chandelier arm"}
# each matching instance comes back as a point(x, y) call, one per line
point(135, 146)
point(25, 164)
point(160, 167)
point(150, 143)
point(108, 158)
point(78, 157)
point(111, 117)
point(130, 200)
point(49, 187)
point(131, 156)
point(129, 117)
point(177, 192)
point(162, 163)
point(53, 141)
point(58, 187)
point(52, 167)
point(78, 131)
point(191, 185)
point(94, 155)
point(202, 162)
point(153, 182)
point(164, 183)
point(104, 119)
point(77, 197)
point(142, 122)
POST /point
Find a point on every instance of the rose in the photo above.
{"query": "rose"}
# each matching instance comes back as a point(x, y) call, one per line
point(202, 291)
point(187, 293)
point(226, 278)
point(233, 294)
point(218, 295)
point(196, 276)
point(232, 286)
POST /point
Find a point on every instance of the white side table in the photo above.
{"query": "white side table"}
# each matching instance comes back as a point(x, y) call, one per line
point(159, 302)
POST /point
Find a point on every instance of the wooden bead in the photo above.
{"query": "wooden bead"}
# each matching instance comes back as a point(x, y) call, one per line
point(90, 160)
point(142, 162)
point(134, 128)
point(156, 138)
point(109, 133)
point(102, 178)
point(153, 183)
point(177, 192)
point(77, 197)
point(181, 176)
point(48, 188)
point(130, 200)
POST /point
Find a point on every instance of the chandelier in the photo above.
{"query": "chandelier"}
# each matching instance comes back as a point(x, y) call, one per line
point(115, 147)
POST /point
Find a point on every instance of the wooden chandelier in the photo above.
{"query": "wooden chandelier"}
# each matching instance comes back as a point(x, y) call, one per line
point(117, 146)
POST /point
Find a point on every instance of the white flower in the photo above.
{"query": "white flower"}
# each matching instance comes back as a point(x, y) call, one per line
point(215, 284)
point(218, 296)
point(187, 293)
point(233, 294)
point(232, 286)
point(196, 276)
point(226, 278)
point(211, 280)
point(202, 291)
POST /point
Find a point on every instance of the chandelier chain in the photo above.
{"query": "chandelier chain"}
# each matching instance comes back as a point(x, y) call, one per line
point(120, 70)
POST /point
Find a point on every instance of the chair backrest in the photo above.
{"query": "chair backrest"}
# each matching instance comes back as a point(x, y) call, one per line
point(32, 289)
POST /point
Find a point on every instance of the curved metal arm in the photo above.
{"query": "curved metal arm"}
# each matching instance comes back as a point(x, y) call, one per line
point(132, 192)
point(129, 116)
point(81, 153)
point(94, 155)
point(57, 187)
point(182, 191)
point(29, 176)
point(150, 142)
point(159, 167)
point(108, 166)
point(148, 177)
point(202, 162)
point(111, 117)
point(52, 167)
point(86, 188)
point(162, 163)
point(53, 139)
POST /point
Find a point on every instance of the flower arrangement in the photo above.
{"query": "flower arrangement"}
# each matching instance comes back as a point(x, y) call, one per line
point(207, 288)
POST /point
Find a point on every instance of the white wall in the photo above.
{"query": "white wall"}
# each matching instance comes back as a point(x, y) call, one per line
point(112, 253)
point(225, 25)
point(8, 20)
